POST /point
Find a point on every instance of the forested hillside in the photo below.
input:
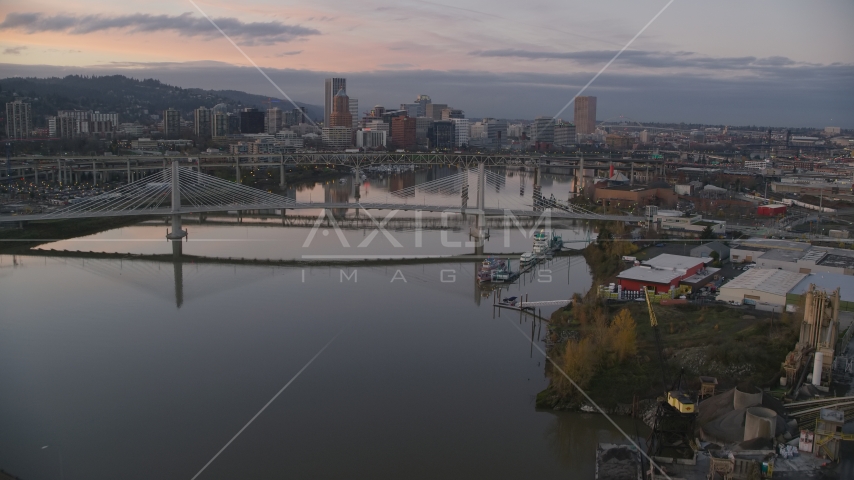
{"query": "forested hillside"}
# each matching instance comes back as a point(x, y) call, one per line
point(134, 100)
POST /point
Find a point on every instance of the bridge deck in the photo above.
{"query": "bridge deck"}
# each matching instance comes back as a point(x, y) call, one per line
point(318, 206)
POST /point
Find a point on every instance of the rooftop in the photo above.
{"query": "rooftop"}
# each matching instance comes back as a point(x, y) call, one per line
point(827, 282)
point(649, 274)
point(701, 275)
point(672, 262)
point(767, 243)
point(629, 188)
point(775, 282)
point(783, 255)
point(840, 261)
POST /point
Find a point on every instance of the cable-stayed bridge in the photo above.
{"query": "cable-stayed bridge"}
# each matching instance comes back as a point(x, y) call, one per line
point(180, 190)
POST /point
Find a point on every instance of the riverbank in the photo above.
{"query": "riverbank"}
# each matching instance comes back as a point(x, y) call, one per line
point(718, 341)
point(20, 240)
point(711, 340)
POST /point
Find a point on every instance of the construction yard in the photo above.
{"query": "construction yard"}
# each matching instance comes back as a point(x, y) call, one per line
point(733, 344)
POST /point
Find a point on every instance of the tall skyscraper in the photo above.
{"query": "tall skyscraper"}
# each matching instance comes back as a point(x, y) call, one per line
point(340, 116)
point(172, 123)
point(354, 111)
point(461, 131)
point(202, 118)
point(19, 119)
point(434, 110)
point(442, 135)
point(403, 132)
point(412, 109)
point(422, 102)
point(274, 120)
point(219, 124)
point(251, 121)
point(333, 86)
point(585, 115)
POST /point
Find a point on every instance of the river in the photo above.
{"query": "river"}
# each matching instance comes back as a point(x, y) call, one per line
point(128, 368)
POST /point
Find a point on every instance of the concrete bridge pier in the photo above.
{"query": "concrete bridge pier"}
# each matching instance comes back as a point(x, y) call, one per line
point(632, 174)
point(177, 233)
point(357, 184)
point(130, 175)
point(237, 169)
point(479, 232)
point(538, 192)
point(282, 183)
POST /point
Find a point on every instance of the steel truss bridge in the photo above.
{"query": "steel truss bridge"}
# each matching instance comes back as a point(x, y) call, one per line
point(71, 169)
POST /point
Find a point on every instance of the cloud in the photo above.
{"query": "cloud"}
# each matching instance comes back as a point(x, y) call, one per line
point(647, 59)
point(187, 25)
point(785, 97)
point(288, 54)
point(14, 50)
point(396, 65)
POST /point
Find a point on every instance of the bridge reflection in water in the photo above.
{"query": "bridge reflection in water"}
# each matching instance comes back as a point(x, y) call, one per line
point(194, 278)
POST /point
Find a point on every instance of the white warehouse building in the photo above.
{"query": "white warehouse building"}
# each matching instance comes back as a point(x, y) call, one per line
point(764, 288)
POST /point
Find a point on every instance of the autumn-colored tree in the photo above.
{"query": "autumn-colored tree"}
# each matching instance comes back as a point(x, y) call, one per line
point(623, 335)
point(579, 362)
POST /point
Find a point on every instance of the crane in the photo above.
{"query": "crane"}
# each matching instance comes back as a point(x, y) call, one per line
point(653, 321)
point(675, 397)
point(673, 427)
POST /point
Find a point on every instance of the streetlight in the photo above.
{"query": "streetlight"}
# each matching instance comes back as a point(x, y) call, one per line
point(59, 450)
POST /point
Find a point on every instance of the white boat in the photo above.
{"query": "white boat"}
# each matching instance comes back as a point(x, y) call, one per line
point(527, 257)
point(541, 242)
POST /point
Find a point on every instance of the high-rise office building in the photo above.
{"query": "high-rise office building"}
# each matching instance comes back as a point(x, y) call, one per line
point(337, 137)
point(172, 123)
point(422, 101)
point(450, 113)
point(19, 120)
point(442, 135)
point(354, 110)
point(543, 130)
point(369, 139)
point(340, 116)
point(377, 111)
point(564, 134)
point(219, 124)
point(422, 130)
point(461, 131)
point(251, 121)
point(274, 120)
point(434, 110)
point(585, 115)
point(333, 86)
point(63, 127)
point(403, 132)
point(412, 109)
point(202, 117)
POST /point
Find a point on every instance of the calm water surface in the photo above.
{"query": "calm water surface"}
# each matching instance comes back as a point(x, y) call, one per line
point(137, 369)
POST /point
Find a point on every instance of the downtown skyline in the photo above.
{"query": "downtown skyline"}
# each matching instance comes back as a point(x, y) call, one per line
point(731, 64)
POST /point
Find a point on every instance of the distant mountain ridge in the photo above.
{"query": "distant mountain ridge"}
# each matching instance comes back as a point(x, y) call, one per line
point(129, 97)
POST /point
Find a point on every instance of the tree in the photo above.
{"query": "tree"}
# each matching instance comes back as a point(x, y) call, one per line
point(623, 335)
point(579, 363)
point(716, 259)
point(708, 233)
